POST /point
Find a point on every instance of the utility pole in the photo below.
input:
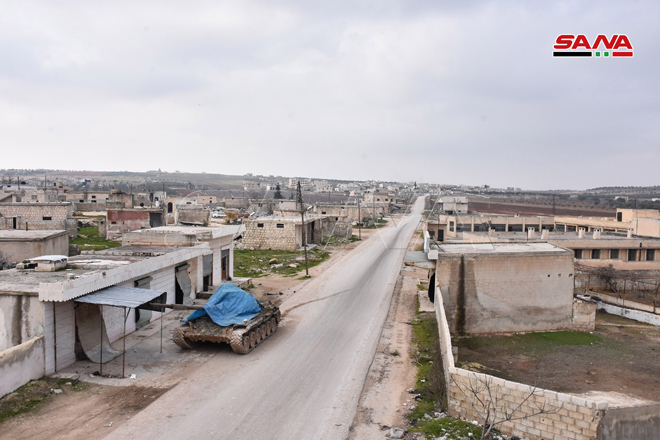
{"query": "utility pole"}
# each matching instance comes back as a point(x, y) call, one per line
point(359, 220)
point(304, 235)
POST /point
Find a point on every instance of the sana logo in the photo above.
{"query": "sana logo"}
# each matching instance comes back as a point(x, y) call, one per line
point(616, 46)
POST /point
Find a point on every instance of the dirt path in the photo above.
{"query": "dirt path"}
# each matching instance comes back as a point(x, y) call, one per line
point(392, 373)
point(81, 415)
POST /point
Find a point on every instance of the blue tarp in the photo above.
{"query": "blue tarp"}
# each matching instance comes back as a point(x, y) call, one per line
point(229, 305)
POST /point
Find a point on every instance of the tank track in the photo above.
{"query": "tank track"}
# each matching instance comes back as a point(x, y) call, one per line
point(178, 336)
point(244, 341)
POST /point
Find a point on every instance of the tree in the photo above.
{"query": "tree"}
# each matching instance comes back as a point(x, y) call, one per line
point(488, 402)
point(278, 193)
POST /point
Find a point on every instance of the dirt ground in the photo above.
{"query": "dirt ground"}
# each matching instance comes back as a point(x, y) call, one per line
point(385, 399)
point(86, 414)
point(621, 357)
point(268, 288)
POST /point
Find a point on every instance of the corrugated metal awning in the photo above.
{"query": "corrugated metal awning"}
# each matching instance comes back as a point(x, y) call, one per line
point(122, 296)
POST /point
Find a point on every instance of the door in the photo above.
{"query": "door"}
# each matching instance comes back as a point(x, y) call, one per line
point(441, 235)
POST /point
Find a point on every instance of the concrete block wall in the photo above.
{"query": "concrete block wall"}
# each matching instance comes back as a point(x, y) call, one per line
point(568, 418)
point(584, 316)
point(270, 236)
point(31, 212)
point(65, 322)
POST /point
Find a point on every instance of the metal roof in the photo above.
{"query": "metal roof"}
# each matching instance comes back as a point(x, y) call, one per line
point(121, 296)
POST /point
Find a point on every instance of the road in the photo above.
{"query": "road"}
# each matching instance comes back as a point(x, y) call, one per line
point(304, 382)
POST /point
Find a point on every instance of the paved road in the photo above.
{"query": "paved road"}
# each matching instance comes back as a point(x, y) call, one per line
point(305, 381)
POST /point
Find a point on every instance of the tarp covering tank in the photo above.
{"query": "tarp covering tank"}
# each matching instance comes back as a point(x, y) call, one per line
point(229, 305)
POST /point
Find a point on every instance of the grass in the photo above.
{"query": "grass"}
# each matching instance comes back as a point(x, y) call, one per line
point(31, 396)
point(431, 386)
point(88, 240)
point(254, 264)
point(422, 287)
point(541, 342)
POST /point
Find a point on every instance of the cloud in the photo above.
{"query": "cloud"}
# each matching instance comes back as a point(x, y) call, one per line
point(388, 90)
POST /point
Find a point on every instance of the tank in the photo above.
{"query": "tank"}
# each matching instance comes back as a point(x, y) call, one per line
point(243, 338)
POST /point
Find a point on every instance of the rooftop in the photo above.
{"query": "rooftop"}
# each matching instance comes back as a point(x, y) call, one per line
point(21, 235)
point(499, 248)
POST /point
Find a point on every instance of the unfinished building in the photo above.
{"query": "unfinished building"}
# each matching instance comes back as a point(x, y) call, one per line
point(286, 233)
point(39, 216)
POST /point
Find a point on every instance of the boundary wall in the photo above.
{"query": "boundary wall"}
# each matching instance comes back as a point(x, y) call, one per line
point(569, 417)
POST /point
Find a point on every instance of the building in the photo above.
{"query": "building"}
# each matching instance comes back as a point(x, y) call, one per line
point(120, 221)
point(39, 216)
point(218, 266)
point(107, 290)
point(505, 287)
point(445, 227)
point(448, 204)
point(249, 185)
point(286, 233)
point(18, 245)
point(379, 202)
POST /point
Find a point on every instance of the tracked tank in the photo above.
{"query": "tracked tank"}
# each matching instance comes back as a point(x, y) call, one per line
point(243, 338)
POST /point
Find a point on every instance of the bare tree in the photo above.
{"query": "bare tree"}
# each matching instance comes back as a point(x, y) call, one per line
point(5, 259)
point(488, 402)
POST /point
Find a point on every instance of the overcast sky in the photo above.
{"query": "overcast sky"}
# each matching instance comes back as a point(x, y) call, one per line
point(433, 91)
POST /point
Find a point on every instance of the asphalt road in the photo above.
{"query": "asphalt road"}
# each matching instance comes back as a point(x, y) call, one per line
point(303, 382)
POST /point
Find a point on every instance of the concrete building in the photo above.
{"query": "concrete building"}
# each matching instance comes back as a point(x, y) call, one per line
point(120, 221)
point(642, 222)
point(444, 227)
point(40, 310)
point(249, 185)
point(379, 202)
point(39, 216)
point(505, 287)
point(448, 204)
point(348, 210)
point(218, 266)
point(592, 249)
point(18, 245)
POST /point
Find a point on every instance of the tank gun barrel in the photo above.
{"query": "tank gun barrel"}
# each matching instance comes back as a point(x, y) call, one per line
point(176, 306)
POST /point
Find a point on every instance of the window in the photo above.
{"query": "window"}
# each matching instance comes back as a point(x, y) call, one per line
point(47, 217)
point(614, 254)
point(632, 254)
point(260, 225)
point(595, 254)
point(113, 223)
point(34, 197)
point(82, 201)
point(93, 201)
point(650, 254)
point(322, 212)
point(378, 200)
point(280, 225)
point(93, 197)
point(578, 253)
point(451, 226)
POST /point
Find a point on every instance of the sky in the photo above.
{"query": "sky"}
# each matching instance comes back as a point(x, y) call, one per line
point(429, 91)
